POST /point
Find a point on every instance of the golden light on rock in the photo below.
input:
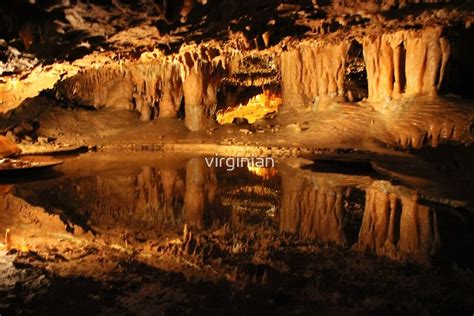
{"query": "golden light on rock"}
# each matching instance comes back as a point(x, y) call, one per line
point(265, 173)
point(139, 143)
point(24, 248)
point(258, 107)
point(8, 240)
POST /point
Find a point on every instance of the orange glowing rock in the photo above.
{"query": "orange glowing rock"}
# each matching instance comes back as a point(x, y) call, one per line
point(265, 173)
point(257, 107)
point(24, 248)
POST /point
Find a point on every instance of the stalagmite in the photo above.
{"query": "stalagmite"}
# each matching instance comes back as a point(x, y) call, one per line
point(313, 72)
point(171, 90)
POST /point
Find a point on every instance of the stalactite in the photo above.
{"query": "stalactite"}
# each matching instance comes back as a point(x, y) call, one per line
point(312, 72)
point(171, 90)
point(145, 93)
point(406, 63)
point(201, 76)
point(154, 84)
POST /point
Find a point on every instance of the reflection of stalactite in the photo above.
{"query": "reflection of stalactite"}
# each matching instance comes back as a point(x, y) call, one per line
point(201, 189)
point(313, 211)
point(152, 196)
point(398, 227)
point(173, 190)
point(313, 72)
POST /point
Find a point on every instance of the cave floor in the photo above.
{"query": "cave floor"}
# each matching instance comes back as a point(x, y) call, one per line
point(340, 128)
point(104, 233)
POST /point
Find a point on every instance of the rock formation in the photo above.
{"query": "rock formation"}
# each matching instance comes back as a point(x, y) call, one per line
point(313, 72)
point(155, 85)
point(406, 63)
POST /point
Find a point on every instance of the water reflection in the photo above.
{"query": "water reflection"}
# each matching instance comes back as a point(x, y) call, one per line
point(350, 210)
point(315, 210)
point(201, 191)
point(395, 224)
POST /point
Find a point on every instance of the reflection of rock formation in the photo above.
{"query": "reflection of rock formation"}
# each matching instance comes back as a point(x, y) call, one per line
point(173, 191)
point(397, 226)
point(118, 198)
point(312, 209)
point(201, 187)
point(160, 194)
point(152, 196)
point(147, 197)
point(393, 223)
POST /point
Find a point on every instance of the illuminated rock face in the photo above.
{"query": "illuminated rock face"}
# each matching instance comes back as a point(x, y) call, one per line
point(312, 72)
point(405, 63)
point(155, 86)
point(256, 108)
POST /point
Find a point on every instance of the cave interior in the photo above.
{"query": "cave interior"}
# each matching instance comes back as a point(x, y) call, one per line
point(216, 156)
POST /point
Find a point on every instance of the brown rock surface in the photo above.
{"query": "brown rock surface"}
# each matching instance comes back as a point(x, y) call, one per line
point(7, 147)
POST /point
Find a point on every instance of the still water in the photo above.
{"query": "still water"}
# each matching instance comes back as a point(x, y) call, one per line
point(348, 206)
